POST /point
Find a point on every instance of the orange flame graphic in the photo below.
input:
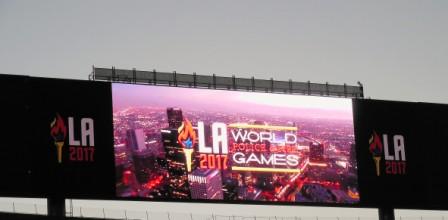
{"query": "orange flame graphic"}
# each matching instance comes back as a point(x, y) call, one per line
point(187, 136)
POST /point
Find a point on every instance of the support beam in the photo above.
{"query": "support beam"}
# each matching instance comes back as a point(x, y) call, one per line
point(386, 213)
point(56, 207)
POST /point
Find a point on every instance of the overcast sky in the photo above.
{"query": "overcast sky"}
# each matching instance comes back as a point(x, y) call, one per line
point(397, 49)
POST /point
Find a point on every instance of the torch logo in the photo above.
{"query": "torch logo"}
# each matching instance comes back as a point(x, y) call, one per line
point(376, 148)
point(58, 132)
point(187, 139)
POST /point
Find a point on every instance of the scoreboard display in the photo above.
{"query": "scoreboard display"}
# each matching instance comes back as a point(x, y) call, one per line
point(182, 143)
point(102, 140)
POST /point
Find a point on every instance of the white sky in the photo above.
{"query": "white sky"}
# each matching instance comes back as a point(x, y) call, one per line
point(397, 49)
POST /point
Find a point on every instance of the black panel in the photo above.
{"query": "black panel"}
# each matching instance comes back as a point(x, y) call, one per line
point(28, 155)
point(15, 129)
point(85, 171)
point(424, 128)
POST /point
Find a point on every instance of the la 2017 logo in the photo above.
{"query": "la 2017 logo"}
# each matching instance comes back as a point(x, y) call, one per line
point(80, 150)
point(395, 156)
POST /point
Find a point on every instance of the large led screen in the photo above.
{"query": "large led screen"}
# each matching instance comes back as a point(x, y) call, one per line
point(196, 144)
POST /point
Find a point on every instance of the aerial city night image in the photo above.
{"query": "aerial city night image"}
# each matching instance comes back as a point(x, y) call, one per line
point(198, 144)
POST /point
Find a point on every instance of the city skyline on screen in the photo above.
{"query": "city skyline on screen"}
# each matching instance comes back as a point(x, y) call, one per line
point(218, 100)
point(195, 144)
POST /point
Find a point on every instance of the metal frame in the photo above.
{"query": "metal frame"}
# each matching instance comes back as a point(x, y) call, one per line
point(225, 83)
